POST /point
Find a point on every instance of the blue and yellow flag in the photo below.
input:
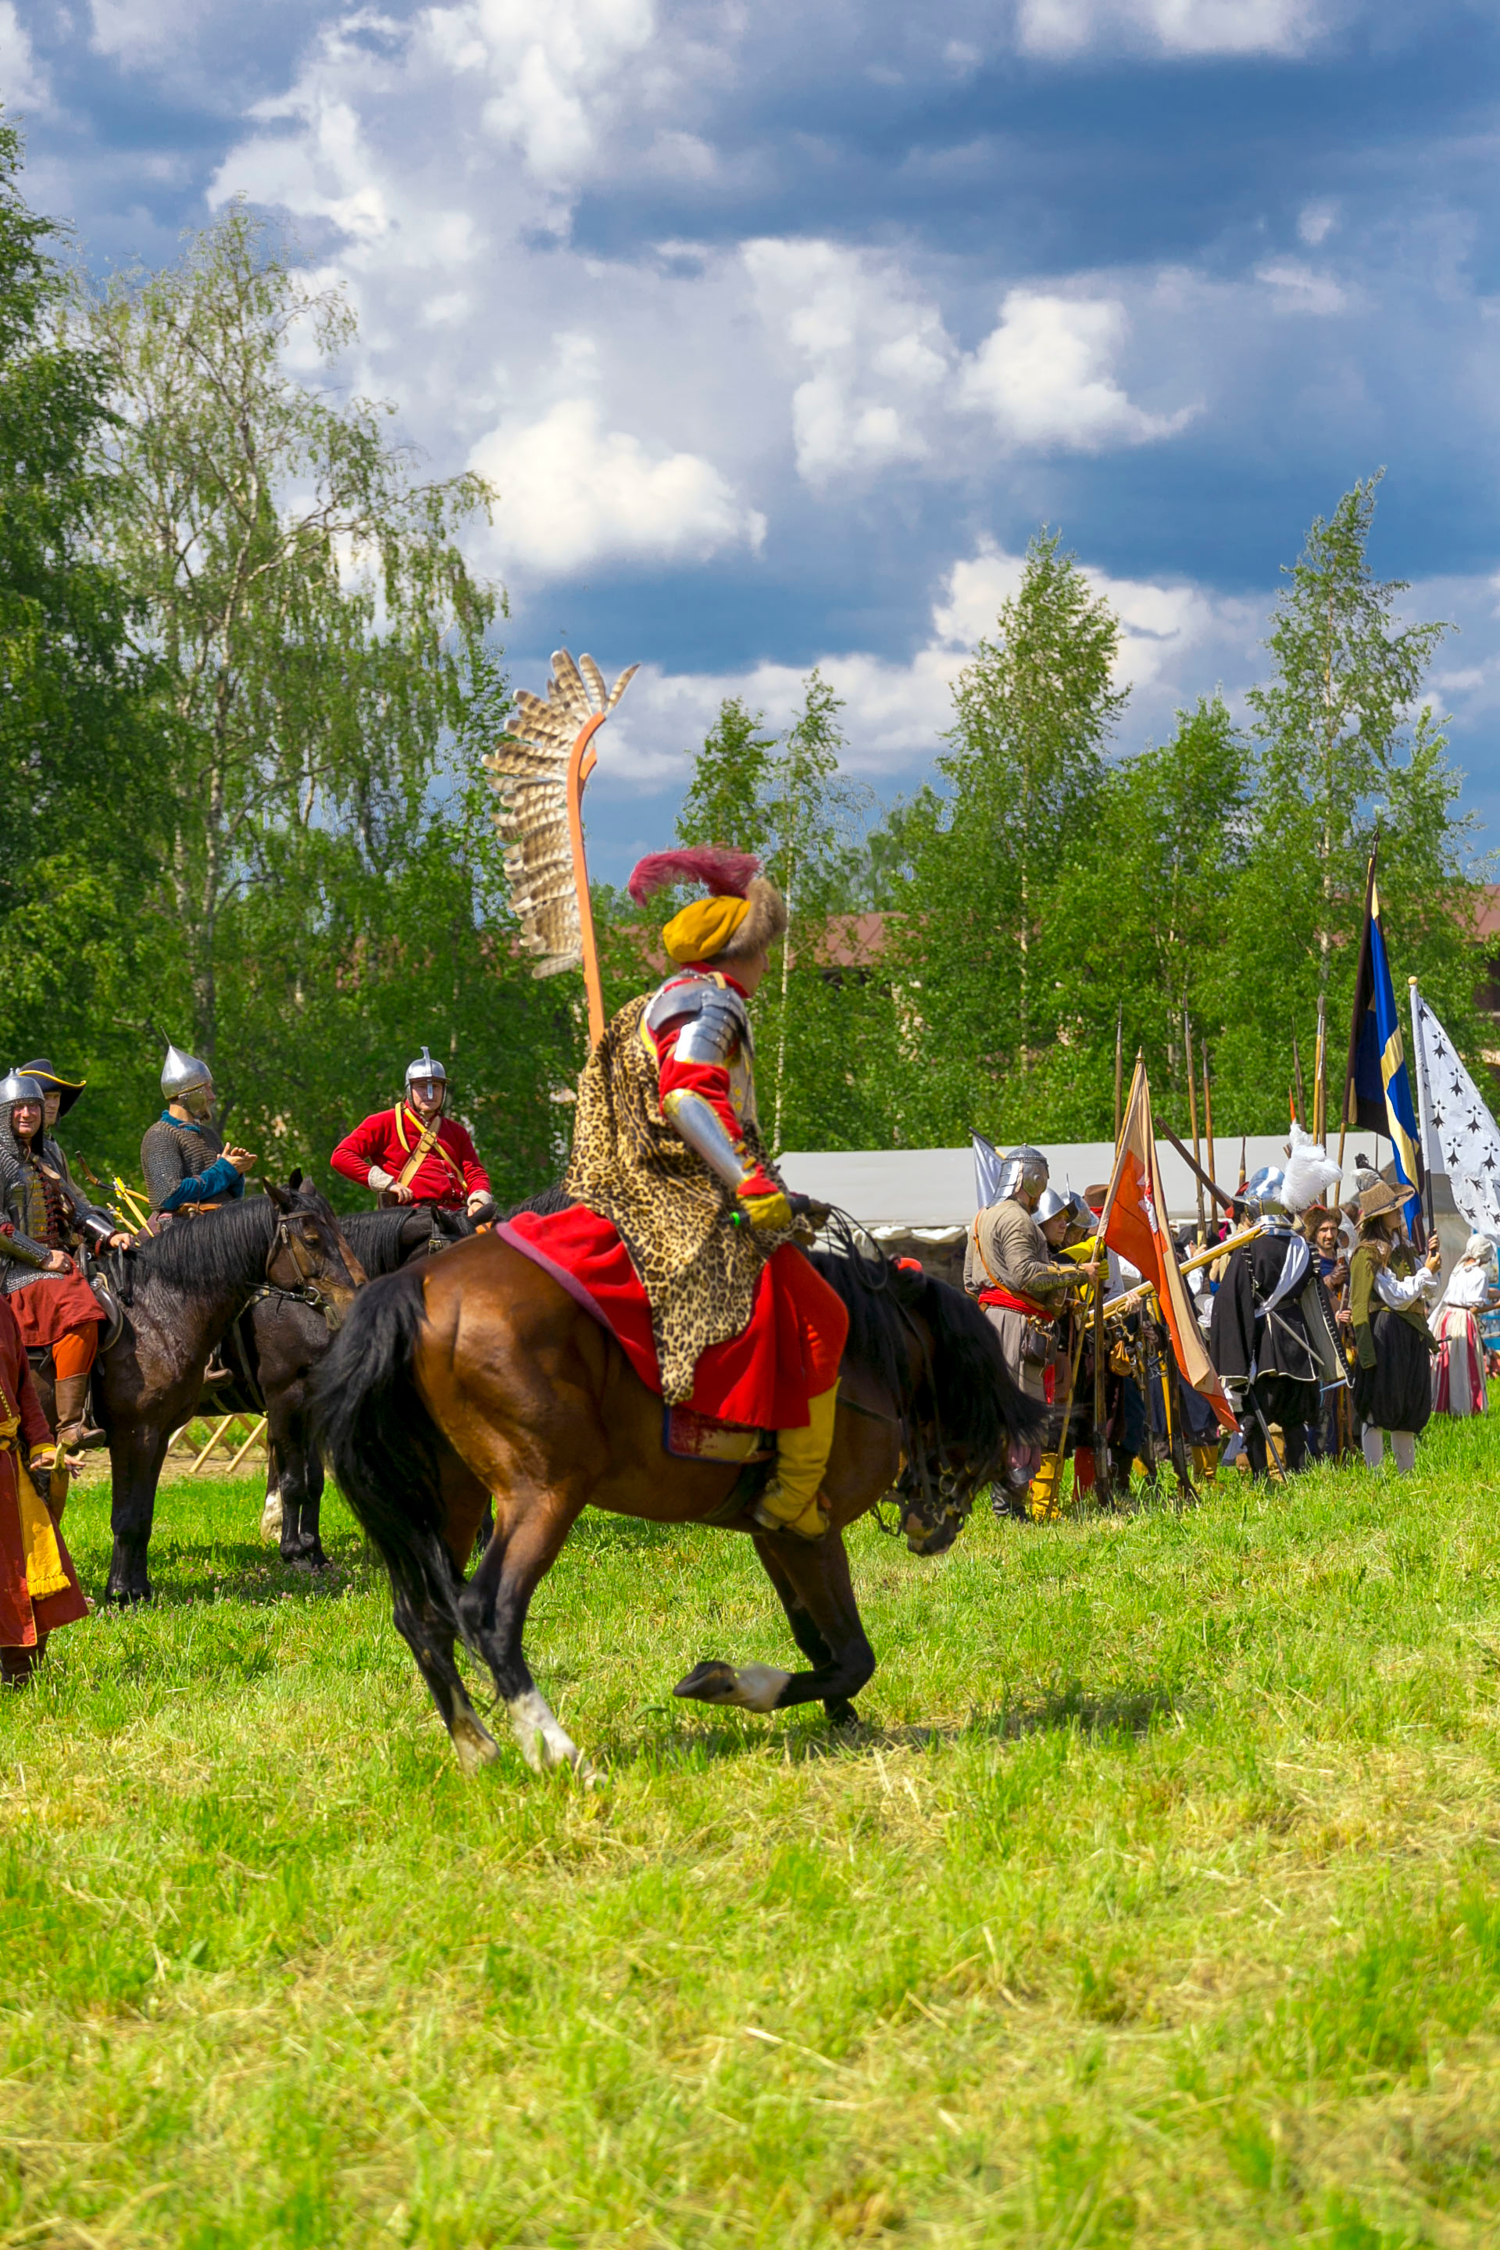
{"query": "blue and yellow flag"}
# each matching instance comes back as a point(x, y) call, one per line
point(1378, 1091)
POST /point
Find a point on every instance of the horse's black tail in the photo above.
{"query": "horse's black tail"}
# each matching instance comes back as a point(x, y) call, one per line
point(382, 1444)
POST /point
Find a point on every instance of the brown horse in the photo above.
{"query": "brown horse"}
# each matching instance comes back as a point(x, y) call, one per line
point(482, 1376)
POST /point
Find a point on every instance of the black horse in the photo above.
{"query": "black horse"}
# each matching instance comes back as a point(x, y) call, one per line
point(275, 1345)
point(181, 1292)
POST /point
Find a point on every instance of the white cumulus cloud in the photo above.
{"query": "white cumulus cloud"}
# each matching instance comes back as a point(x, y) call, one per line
point(557, 72)
point(876, 352)
point(572, 491)
point(1046, 374)
point(1175, 27)
point(23, 83)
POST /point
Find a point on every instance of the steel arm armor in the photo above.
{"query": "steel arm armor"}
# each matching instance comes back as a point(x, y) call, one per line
point(699, 1124)
point(22, 1251)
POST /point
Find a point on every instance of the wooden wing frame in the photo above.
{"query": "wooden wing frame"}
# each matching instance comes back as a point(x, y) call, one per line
point(539, 773)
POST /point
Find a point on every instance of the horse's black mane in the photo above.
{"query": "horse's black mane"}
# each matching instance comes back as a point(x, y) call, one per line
point(978, 1403)
point(213, 1249)
point(223, 1249)
point(546, 1203)
point(375, 1237)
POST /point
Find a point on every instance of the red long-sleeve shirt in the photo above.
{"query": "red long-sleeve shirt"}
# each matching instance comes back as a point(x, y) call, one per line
point(388, 1138)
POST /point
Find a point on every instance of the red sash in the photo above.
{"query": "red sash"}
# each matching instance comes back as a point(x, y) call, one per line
point(1009, 1301)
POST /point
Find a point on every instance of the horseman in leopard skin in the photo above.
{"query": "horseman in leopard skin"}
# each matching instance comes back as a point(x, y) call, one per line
point(680, 1227)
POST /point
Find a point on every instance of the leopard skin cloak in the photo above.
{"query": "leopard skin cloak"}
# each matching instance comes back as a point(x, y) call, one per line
point(700, 1270)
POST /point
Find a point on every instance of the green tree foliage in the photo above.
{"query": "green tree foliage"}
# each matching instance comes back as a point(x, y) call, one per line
point(989, 866)
point(1345, 743)
point(80, 800)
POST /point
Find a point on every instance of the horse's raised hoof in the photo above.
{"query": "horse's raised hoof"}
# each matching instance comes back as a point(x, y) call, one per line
point(745, 1687)
point(473, 1745)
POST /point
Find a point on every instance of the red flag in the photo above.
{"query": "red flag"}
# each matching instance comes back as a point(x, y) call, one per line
point(1135, 1224)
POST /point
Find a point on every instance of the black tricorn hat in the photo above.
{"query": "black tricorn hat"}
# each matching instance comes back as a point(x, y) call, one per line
point(68, 1089)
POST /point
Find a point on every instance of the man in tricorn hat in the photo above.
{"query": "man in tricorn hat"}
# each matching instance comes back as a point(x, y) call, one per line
point(680, 1228)
point(184, 1159)
point(414, 1153)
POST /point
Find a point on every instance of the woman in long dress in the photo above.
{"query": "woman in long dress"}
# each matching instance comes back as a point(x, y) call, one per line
point(1458, 1370)
point(1393, 1343)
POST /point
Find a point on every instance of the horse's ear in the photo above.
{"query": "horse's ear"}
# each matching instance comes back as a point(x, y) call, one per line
point(278, 1195)
point(295, 1181)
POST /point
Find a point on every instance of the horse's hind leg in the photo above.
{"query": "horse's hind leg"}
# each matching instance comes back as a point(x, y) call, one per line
point(432, 1646)
point(493, 1607)
point(812, 1578)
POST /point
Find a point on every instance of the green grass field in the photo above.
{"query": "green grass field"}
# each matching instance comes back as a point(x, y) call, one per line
point(1156, 1902)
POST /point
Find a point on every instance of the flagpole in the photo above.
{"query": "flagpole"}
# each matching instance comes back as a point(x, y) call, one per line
point(1320, 1076)
point(1424, 1105)
point(1119, 1065)
point(1187, 1035)
point(1208, 1119)
point(1358, 975)
point(1299, 1114)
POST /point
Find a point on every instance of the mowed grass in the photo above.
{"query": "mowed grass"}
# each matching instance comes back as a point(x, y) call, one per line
point(1156, 1903)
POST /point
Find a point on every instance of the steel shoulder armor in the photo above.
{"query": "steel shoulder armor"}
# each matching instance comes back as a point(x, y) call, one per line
point(714, 1019)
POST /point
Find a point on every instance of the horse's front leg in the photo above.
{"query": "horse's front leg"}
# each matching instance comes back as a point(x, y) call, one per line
point(812, 1578)
point(530, 1529)
point(135, 1464)
point(299, 1482)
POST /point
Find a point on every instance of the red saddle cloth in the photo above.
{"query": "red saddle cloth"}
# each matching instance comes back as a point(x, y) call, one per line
point(761, 1379)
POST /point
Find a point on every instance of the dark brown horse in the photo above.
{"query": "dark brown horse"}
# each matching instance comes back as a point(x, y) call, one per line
point(181, 1293)
point(273, 1348)
point(480, 1375)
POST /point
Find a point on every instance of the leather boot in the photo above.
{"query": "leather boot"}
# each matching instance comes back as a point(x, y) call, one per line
point(18, 1664)
point(75, 1432)
point(792, 1501)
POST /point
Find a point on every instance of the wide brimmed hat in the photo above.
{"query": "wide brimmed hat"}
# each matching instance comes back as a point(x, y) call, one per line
point(1382, 1198)
point(67, 1089)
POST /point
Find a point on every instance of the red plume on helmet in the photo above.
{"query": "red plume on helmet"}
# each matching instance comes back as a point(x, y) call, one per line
point(725, 873)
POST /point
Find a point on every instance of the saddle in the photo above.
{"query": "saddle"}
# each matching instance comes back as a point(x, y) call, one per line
point(689, 1436)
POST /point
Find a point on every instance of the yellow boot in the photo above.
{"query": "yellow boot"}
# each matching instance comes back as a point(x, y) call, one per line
point(792, 1501)
point(1041, 1496)
point(1206, 1462)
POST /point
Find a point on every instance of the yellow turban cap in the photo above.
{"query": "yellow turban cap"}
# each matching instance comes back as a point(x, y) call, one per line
point(704, 928)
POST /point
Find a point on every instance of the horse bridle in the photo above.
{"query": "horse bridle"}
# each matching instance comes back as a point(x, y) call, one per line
point(311, 1290)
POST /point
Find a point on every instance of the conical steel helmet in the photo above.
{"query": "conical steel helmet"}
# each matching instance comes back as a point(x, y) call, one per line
point(426, 1067)
point(19, 1088)
point(180, 1073)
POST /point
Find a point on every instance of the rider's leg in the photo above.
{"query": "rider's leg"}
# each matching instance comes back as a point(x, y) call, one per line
point(72, 1359)
point(792, 1501)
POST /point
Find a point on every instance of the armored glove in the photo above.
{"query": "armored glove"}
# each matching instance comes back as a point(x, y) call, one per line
point(762, 1201)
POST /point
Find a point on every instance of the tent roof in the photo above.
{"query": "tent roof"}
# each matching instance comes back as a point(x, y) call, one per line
point(907, 1188)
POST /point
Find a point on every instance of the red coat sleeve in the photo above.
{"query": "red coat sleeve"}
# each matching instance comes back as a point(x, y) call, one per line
point(476, 1178)
point(358, 1150)
point(35, 1429)
point(711, 1080)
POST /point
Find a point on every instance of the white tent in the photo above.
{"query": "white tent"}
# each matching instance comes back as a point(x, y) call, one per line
point(929, 1192)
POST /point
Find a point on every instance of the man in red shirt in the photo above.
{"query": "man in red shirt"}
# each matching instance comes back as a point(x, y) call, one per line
point(413, 1153)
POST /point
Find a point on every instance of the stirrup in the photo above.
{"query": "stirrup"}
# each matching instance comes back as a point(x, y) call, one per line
point(810, 1523)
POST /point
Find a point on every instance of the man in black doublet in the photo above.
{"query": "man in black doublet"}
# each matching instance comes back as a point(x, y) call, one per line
point(1273, 1338)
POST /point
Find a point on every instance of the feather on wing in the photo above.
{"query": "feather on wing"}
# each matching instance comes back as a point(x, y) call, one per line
point(529, 774)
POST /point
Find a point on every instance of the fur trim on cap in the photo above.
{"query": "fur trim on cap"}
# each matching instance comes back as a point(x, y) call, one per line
point(762, 926)
point(728, 874)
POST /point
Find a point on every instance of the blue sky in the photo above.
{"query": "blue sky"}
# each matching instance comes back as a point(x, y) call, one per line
point(779, 328)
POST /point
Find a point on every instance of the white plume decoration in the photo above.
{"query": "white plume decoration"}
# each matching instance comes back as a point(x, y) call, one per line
point(529, 774)
point(1311, 1173)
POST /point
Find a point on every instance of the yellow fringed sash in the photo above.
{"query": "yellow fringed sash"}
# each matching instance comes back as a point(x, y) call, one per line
point(44, 1564)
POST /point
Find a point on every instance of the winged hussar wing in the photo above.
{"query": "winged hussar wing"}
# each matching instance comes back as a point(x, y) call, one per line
point(529, 774)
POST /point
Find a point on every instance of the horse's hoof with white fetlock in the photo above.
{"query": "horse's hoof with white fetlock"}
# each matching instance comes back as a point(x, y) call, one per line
point(742, 1687)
